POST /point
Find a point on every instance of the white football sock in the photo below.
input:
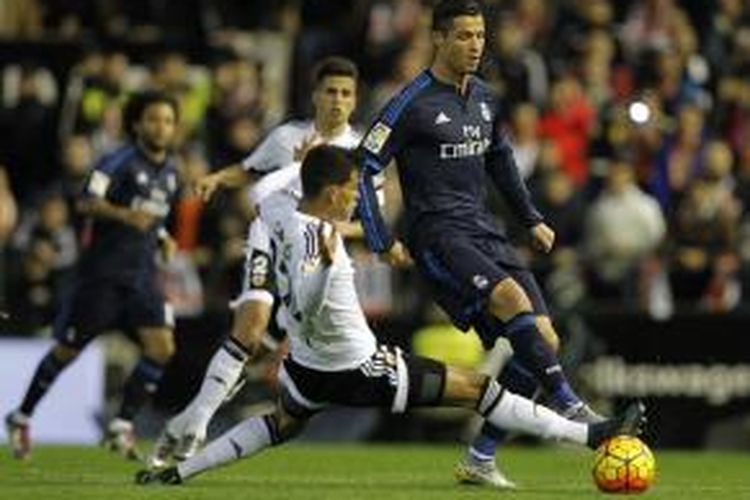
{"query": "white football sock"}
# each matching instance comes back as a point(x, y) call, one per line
point(517, 413)
point(223, 372)
point(245, 439)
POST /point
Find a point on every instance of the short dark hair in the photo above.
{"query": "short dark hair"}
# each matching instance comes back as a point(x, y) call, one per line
point(446, 10)
point(138, 103)
point(326, 166)
point(334, 66)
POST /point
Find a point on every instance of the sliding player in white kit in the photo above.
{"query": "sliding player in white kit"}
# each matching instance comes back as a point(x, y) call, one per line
point(334, 358)
point(272, 169)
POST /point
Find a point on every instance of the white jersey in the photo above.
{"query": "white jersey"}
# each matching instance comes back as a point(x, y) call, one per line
point(275, 158)
point(320, 310)
point(277, 149)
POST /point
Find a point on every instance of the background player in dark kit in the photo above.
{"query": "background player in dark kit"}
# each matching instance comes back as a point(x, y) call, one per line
point(126, 199)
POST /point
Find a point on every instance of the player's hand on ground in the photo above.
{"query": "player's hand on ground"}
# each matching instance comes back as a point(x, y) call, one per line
point(398, 256)
point(542, 237)
point(328, 238)
point(309, 142)
point(206, 186)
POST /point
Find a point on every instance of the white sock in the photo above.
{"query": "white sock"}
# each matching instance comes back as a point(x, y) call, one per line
point(245, 439)
point(223, 372)
point(517, 413)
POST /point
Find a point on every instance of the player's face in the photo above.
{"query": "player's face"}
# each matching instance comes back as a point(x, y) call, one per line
point(344, 198)
point(156, 128)
point(335, 99)
point(461, 47)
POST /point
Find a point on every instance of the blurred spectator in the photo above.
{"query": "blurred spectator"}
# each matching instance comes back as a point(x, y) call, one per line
point(32, 293)
point(20, 19)
point(8, 217)
point(624, 225)
point(517, 72)
point(326, 29)
point(650, 25)
point(534, 17)
point(70, 18)
point(733, 91)
point(526, 144)
point(103, 85)
point(679, 160)
point(237, 93)
point(241, 136)
point(224, 232)
point(256, 15)
point(109, 134)
point(563, 208)
point(389, 28)
point(569, 123)
point(76, 160)
point(51, 223)
point(575, 21)
point(175, 22)
point(407, 66)
point(46, 252)
point(596, 69)
point(172, 74)
point(719, 42)
point(704, 260)
point(27, 129)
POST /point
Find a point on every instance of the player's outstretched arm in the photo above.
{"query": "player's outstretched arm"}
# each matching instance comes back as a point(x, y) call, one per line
point(229, 177)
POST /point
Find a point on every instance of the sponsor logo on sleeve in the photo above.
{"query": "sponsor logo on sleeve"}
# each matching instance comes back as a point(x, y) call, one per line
point(376, 138)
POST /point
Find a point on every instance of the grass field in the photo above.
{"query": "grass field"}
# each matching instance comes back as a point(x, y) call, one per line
point(357, 471)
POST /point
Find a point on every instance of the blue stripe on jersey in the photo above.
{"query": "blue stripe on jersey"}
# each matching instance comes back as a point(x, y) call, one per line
point(394, 108)
point(109, 164)
point(369, 222)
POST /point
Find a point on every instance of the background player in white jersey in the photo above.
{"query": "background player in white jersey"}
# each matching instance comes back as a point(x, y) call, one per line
point(334, 357)
point(273, 168)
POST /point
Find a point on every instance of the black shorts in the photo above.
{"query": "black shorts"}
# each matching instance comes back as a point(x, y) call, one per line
point(92, 307)
point(462, 272)
point(388, 379)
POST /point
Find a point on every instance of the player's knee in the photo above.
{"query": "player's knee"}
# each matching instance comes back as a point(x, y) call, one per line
point(508, 300)
point(544, 324)
point(463, 387)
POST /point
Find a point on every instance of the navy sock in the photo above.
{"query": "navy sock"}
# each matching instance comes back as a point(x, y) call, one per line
point(142, 383)
point(46, 373)
point(533, 352)
point(517, 379)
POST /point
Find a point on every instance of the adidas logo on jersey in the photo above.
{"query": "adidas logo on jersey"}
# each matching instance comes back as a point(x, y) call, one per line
point(442, 118)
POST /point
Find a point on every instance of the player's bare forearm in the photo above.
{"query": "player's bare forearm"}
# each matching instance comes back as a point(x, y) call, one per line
point(230, 177)
point(234, 176)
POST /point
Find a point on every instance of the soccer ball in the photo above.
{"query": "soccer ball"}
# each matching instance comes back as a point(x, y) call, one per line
point(624, 464)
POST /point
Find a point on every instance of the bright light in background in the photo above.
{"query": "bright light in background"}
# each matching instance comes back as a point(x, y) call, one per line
point(639, 112)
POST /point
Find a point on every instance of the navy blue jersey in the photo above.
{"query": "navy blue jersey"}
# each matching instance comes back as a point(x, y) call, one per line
point(127, 178)
point(447, 147)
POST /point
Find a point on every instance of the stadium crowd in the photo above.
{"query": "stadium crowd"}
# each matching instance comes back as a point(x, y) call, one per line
point(630, 121)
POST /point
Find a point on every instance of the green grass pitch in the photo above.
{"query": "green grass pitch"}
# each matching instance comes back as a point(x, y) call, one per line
point(383, 472)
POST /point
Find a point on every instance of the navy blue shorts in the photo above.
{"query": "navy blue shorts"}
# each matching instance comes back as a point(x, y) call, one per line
point(94, 306)
point(462, 272)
